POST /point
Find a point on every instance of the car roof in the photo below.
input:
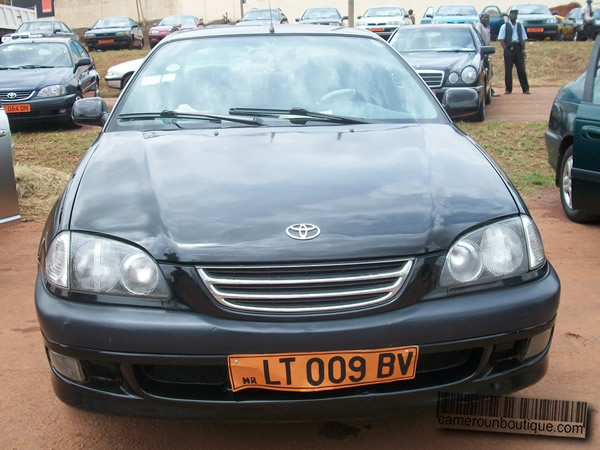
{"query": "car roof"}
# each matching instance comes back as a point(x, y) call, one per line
point(282, 30)
point(430, 26)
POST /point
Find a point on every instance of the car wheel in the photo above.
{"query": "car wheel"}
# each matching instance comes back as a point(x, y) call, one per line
point(124, 80)
point(142, 44)
point(566, 190)
point(479, 116)
point(488, 96)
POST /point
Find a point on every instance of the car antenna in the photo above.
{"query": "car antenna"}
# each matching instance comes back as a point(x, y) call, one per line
point(271, 29)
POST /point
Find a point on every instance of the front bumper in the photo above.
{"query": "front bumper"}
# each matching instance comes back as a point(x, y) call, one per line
point(172, 363)
point(117, 42)
point(114, 82)
point(547, 30)
point(42, 109)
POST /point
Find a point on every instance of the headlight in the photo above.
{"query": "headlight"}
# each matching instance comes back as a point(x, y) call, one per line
point(395, 22)
point(469, 75)
point(89, 35)
point(97, 265)
point(154, 32)
point(453, 77)
point(360, 23)
point(6, 38)
point(501, 250)
point(121, 33)
point(552, 20)
point(52, 91)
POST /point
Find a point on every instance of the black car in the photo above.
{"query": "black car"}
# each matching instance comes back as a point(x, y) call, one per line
point(41, 78)
point(114, 32)
point(322, 16)
point(448, 56)
point(41, 28)
point(227, 252)
point(573, 143)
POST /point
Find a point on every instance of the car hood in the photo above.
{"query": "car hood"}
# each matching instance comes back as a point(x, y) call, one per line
point(534, 17)
point(244, 23)
point(33, 79)
point(193, 196)
point(321, 21)
point(382, 19)
point(111, 30)
point(441, 60)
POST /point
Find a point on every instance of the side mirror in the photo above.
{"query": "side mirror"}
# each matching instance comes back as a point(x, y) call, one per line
point(488, 50)
point(359, 17)
point(554, 13)
point(154, 25)
point(90, 111)
point(85, 61)
point(297, 20)
point(458, 100)
point(346, 18)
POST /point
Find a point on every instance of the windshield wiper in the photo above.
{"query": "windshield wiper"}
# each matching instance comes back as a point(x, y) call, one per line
point(300, 115)
point(35, 66)
point(167, 114)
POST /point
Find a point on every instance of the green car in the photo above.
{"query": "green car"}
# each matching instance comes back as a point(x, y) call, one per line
point(573, 142)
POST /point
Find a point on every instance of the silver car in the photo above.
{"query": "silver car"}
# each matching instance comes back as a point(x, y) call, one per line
point(9, 205)
point(383, 20)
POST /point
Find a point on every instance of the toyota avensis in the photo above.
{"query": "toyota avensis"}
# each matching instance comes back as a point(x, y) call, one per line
point(284, 224)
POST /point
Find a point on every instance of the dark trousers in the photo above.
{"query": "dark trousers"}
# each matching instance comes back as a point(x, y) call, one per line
point(513, 55)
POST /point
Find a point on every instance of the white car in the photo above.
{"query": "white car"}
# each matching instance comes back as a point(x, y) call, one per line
point(383, 20)
point(118, 75)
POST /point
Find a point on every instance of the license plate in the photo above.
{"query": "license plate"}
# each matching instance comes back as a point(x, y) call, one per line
point(535, 30)
point(310, 372)
point(376, 29)
point(22, 108)
point(106, 41)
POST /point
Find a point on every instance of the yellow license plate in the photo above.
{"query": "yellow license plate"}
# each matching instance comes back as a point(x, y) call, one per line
point(106, 41)
point(22, 108)
point(310, 372)
point(535, 30)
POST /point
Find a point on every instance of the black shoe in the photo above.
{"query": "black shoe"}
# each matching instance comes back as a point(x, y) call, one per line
point(526, 92)
point(506, 92)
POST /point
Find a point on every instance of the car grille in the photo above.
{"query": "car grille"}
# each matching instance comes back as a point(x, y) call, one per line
point(433, 78)
point(377, 24)
point(302, 288)
point(21, 95)
point(212, 381)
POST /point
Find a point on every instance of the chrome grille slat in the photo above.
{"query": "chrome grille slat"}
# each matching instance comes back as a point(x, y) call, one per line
point(433, 78)
point(302, 288)
point(21, 95)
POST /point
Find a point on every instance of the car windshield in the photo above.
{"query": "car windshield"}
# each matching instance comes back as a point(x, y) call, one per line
point(456, 11)
point(35, 55)
point(384, 12)
point(36, 26)
point(348, 77)
point(261, 14)
point(114, 22)
point(432, 39)
point(532, 9)
point(321, 13)
point(178, 20)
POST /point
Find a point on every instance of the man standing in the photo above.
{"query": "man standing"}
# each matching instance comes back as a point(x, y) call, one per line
point(412, 16)
point(588, 20)
point(512, 37)
point(483, 27)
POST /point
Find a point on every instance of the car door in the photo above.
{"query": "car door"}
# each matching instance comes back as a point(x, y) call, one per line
point(427, 15)
point(586, 146)
point(86, 74)
point(496, 19)
point(9, 203)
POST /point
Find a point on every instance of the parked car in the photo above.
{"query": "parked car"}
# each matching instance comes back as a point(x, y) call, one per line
point(448, 56)
point(118, 75)
point(114, 32)
point(497, 19)
point(396, 259)
point(573, 140)
point(263, 17)
point(9, 201)
point(41, 28)
point(455, 14)
point(538, 20)
point(170, 24)
point(322, 16)
point(574, 20)
point(41, 78)
point(382, 20)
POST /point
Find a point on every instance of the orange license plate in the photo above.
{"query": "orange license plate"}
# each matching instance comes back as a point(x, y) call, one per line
point(535, 30)
point(106, 41)
point(376, 29)
point(22, 108)
point(310, 372)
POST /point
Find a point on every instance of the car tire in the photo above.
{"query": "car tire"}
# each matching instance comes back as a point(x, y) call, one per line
point(565, 184)
point(488, 96)
point(125, 79)
point(479, 116)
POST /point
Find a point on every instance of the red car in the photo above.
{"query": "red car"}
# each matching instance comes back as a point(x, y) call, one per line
point(170, 24)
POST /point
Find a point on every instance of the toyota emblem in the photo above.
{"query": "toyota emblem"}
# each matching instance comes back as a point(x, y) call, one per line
point(11, 95)
point(303, 231)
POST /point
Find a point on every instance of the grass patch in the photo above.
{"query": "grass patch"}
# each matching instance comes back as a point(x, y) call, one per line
point(518, 148)
point(38, 188)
